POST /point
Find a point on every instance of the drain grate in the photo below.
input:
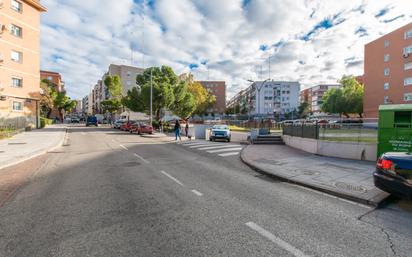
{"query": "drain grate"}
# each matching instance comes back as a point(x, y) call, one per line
point(350, 187)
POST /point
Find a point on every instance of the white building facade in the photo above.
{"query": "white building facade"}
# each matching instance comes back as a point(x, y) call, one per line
point(317, 93)
point(269, 98)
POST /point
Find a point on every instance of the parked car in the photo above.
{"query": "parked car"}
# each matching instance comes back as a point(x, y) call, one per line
point(127, 125)
point(91, 120)
point(394, 174)
point(220, 132)
point(118, 123)
point(141, 128)
point(75, 120)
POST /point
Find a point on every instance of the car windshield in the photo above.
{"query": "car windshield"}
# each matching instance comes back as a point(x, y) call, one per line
point(220, 127)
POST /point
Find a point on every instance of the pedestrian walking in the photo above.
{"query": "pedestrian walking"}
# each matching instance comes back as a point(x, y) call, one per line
point(177, 130)
point(160, 126)
point(187, 128)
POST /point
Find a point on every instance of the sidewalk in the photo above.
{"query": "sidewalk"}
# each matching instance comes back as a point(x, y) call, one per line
point(27, 145)
point(349, 179)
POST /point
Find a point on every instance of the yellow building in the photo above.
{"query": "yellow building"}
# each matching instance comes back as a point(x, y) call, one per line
point(20, 62)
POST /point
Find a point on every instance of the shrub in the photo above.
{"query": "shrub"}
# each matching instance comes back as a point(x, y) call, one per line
point(45, 121)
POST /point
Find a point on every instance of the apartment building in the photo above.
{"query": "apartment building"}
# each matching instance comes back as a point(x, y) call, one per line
point(241, 101)
point(100, 94)
point(269, 97)
point(127, 75)
point(55, 78)
point(388, 70)
point(20, 62)
point(218, 89)
point(316, 96)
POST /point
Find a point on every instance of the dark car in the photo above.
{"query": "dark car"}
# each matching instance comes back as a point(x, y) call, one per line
point(394, 174)
point(91, 120)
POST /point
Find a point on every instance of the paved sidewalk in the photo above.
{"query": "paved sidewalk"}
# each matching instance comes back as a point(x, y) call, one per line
point(27, 145)
point(349, 179)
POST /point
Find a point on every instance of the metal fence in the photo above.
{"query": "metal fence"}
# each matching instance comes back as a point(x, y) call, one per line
point(365, 132)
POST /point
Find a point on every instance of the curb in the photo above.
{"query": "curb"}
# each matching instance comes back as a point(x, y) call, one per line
point(38, 153)
point(377, 203)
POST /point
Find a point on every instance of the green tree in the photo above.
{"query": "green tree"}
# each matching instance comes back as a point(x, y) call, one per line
point(185, 103)
point(203, 98)
point(133, 100)
point(115, 88)
point(47, 95)
point(163, 81)
point(345, 100)
point(303, 110)
point(111, 105)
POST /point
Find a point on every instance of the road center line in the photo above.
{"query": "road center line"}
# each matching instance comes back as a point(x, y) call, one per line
point(284, 245)
point(226, 150)
point(141, 158)
point(172, 178)
point(124, 147)
point(197, 192)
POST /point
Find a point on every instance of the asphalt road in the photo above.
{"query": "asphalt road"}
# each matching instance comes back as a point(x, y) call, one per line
point(110, 193)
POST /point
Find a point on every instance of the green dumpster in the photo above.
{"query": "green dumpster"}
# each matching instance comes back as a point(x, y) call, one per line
point(395, 128)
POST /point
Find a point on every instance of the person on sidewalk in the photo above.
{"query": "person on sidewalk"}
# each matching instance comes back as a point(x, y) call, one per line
point(177, 130)
point(160, 126)
point(187, 128)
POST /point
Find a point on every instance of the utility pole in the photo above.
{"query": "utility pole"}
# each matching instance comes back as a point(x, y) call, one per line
point(151, 97)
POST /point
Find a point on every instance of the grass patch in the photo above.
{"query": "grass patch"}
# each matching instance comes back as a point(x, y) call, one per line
point(238, 129)
point(351, 139)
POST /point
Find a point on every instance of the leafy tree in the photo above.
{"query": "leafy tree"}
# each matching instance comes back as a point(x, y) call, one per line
point(303, 110)
point(115, 88)
point(47, 96)
point(133, 100)
point(345, 100)
point(63, 103)
point(185, 103)
point(111, 105)
point(163, 81)
point(204, 99)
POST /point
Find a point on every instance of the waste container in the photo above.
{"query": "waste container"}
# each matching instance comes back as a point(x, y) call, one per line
point(395, 128)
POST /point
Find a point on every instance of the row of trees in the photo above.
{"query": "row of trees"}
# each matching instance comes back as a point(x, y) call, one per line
point(183, 98)
point(51, 99)
point(344, 101)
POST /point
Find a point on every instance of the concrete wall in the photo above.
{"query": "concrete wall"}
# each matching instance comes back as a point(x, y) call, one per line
point(346, 150)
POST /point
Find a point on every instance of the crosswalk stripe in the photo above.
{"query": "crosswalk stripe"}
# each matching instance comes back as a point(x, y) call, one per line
point(204, 145)
point(228, 154)
point(225, 150)
point(217, 147)
point(192, 143)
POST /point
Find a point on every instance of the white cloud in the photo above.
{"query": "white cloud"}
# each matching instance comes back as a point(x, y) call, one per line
point(81, 38)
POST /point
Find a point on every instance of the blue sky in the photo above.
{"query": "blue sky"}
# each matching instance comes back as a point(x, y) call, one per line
point(310, 41)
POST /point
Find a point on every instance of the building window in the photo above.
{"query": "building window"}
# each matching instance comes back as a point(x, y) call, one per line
point(16, 82)
point(16, 5)
point(386, 58)
point(129, 73)
point(408, 66)
point(17, 106)
point(386, 86)
point(49, 78)
point(407, 97)
point(386, 43)
point(386, 72)
point(16, 30)
point(408, 34)
point(386, 99)
point(407, 50)
point(16, 56)
point(407, 81)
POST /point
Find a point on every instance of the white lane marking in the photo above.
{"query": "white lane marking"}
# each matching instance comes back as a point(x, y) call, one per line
point(141, 158)
point(192, 143)
point(286, 246)
point(226, 150)
point(124, 147)
point(217, 147)
point(197, 192)
point(228, 154)
point(83, 133)
point(202, 145)
point(172, 178)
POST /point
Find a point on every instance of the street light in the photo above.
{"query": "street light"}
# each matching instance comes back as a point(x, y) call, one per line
point(258, 94)
point(151, 97)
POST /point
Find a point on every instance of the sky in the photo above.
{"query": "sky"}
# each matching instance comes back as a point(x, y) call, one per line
point(310, 41)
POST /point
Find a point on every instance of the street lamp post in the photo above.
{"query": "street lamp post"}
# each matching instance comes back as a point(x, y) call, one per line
point(151, 97)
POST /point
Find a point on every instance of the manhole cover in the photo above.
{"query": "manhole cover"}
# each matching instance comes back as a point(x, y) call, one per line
point(350, 187)
point(17, 143)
